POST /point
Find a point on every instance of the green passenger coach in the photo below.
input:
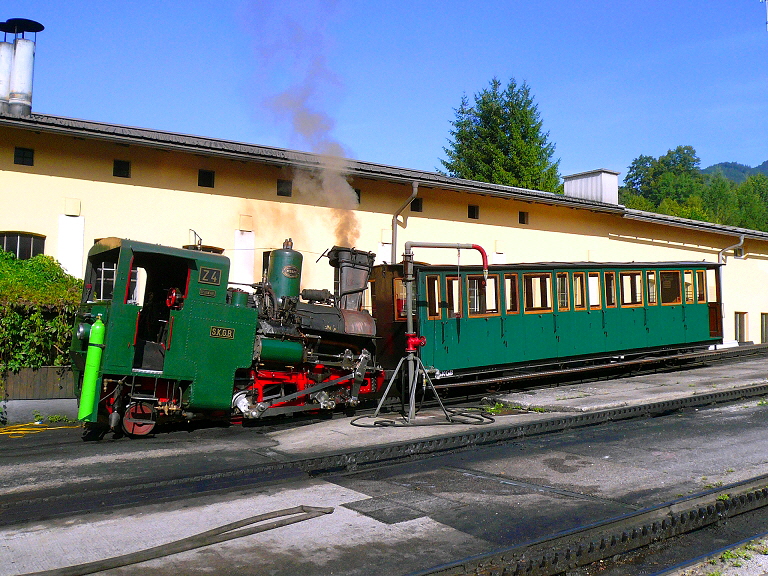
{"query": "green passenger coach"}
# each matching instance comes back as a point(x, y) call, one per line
point(547, 312)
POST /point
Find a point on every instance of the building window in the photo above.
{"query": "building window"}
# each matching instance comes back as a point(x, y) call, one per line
point(740, 327)
point(285, 188)
point(121, 169)
point(417, 205)
point(206, 178)
point(24, 156)
point(22, 245)
point(522, 217)
point(473, 212)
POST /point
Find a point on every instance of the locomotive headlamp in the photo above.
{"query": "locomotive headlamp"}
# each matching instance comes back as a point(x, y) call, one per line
point(83, 331)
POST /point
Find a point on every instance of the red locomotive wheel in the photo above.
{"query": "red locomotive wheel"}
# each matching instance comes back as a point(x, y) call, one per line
point(139, 419)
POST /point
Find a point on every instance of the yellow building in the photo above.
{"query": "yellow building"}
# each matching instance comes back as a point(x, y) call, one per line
point(65, 183)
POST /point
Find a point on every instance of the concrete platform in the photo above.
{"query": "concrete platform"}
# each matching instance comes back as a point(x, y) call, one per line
point(637, 390)
point(396, 521)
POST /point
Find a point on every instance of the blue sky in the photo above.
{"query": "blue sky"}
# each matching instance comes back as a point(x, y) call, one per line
point(380, 80)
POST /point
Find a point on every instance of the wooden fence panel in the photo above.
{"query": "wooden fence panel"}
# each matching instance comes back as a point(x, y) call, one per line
point(48, 382)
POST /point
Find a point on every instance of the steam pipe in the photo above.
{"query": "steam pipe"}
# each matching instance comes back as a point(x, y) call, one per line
point(394, 221)
point(721, 254)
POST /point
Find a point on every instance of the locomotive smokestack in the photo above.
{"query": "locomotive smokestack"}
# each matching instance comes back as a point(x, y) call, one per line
point(21, 69)
point(353, 267)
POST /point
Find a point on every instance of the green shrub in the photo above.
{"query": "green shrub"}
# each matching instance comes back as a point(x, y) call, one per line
point(38, 301)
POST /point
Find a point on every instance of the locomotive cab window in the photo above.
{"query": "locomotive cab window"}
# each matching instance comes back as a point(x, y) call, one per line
point(579, 291)
point(594, 291)
point(99, 280)
point(563, 296)
point(537, 292)
point(433, 298)
point(670, 287)
point(512, 296)
point(631, 287)
point(483, 296)
point(610, 290)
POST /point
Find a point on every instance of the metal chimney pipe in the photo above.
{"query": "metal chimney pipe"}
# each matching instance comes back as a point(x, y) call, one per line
point(6, 60)
point(20, 97)
point(21, 67)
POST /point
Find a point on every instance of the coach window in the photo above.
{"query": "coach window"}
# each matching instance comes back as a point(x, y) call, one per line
point(594, 291)
point(688, 281)
point(631, 285)
point(701, 286)
point(579, 291)
point(610, 290)
point(670, 287)
point(537, 291)
point(433, 297)
point(483, 295)
point(453, 296)
point(513, 299)
point(563, 297)
point(650, 281)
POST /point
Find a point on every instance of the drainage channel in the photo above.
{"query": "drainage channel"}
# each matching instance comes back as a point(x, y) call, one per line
point(586, 545)
point(43, 504)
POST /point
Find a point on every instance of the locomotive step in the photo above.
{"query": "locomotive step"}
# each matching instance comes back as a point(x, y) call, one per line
point(148, 397)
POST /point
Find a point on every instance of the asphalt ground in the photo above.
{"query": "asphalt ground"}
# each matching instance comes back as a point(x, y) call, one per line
point(400, 519)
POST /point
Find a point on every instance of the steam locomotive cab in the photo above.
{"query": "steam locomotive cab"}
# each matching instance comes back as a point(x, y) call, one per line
point(160, 335)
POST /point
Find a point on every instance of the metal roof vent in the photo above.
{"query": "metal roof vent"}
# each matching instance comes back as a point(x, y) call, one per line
point(17, 62)
point(597, 185)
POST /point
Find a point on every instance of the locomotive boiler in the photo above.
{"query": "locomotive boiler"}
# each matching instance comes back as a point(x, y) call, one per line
point(161, 334)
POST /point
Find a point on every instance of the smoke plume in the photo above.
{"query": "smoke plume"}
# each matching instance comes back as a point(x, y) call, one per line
point(297, 44)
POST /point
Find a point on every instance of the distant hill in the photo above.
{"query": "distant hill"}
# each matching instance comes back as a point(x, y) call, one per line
point(735, 171)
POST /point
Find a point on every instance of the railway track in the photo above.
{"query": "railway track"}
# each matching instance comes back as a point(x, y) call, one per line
point(606, 539)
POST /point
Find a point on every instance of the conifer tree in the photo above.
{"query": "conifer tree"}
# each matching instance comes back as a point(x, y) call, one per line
point(499, 139)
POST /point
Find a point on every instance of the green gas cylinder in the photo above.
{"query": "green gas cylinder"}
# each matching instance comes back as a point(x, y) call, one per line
point(89, 395)
point(284, 272)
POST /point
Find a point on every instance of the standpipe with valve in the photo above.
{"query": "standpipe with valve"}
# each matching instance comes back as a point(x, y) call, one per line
point(413, 341)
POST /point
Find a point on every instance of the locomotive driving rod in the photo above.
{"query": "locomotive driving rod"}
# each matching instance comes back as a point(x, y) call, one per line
point(412, 340)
